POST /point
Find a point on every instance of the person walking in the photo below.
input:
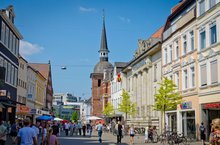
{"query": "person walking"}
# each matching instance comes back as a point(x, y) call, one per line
point(146, 135)
point(3, 133)
point(55, 128)
point(131, 132)
point(13, 132)
point(214, 138)
point(119, 132)
point(99, 128)
point(26, 135)
point(84, 129)
point(202, 130)
point(66, 127)
point(51, 138)
point(80, 128)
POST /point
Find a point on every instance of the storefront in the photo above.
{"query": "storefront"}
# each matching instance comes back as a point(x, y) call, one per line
point(210, 111)
point(22, 111)
point(182, 120)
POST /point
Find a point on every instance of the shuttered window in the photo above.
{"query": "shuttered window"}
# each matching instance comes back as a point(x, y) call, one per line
point(203, 75)
point(214, 72)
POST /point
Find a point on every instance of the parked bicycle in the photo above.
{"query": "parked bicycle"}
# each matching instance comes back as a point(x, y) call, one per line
point(177, 139)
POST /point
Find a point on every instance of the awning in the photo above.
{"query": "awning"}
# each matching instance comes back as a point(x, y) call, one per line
point(7, 104)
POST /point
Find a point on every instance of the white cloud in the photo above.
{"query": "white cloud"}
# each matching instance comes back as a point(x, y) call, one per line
point(27, 48)
point(127, 20)
point(83, 9)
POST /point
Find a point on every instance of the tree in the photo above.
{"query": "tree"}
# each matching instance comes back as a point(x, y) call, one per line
point(126, 106)
point(167, 98)
point(74, 117)
point(108, 110)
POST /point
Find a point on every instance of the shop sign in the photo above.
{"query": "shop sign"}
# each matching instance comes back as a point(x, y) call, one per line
point(212, 105)
point(35, 111)
point(29, 96)
point(23, 109)
point(186, 105)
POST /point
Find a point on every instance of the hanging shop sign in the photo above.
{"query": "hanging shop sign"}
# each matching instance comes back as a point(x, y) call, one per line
point(186, 105)
point(23, 109)
point(211, 105)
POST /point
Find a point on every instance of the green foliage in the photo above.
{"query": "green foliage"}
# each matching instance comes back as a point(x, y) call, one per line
point(126, 106)
point(167, 97)
point(108, 110)
point(74, 117)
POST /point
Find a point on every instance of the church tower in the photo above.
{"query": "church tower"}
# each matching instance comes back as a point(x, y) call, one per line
point(102, 72)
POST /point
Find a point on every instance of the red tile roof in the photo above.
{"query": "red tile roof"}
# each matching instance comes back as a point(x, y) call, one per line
point(177, 6)
point(158, 33)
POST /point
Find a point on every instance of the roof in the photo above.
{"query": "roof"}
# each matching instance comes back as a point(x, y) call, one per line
point(120, 64)
point(101, 66)
point(43, 68)
point(177, 6)
point(158, 33)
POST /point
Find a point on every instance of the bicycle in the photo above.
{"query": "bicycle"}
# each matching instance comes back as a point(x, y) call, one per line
point(177, 139)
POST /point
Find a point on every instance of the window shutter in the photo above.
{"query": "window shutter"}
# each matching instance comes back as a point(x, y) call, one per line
point(214, 72)
point(203, 75)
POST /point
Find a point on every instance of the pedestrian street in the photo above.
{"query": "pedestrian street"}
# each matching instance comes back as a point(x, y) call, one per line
point(108, 139)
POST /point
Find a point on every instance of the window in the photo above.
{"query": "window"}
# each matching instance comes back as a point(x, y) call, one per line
point(171, 55)
point(12, 75)
point(203, 76)
point(212, 3)
point(9, 72)
point(184, 45)
point(10, 41)
point(201, 7)
point(192, 40)
point(213, 35)
point(99, 82)
point(177, 50)
point(177, 79)
point(165, 56)
point(202, 40)
point(17, 47)
point(14, 44)
point(3, 32)
point(155, 72)
point(6, 36)
point(192, 69)
point(185, 79)
point(214, 72)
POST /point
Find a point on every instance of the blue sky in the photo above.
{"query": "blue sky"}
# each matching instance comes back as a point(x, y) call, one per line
point(68, 33)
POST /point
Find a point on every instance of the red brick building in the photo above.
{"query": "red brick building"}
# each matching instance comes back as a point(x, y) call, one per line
point(101, 77)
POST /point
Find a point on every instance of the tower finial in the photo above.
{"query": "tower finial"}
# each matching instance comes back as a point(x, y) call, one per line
point(103, 15)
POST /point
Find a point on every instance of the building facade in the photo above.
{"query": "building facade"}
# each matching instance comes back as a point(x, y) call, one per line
point(141, 77)
point(22, 110)
point(9, 49)
point(208, 44)
point(116, 89)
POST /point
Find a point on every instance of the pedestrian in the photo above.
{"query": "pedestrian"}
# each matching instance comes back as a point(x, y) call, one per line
point(119, 132)
point(214, 138)
point(146, 135)
point(131, 132)
point(202, 130)
point(80, 128)
point(99, 128)
point(84, 129)
point(14, 132)
point(66, 128)
point(3, 133)
point(26, 135)
point(51, 138)
point(55, 128)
